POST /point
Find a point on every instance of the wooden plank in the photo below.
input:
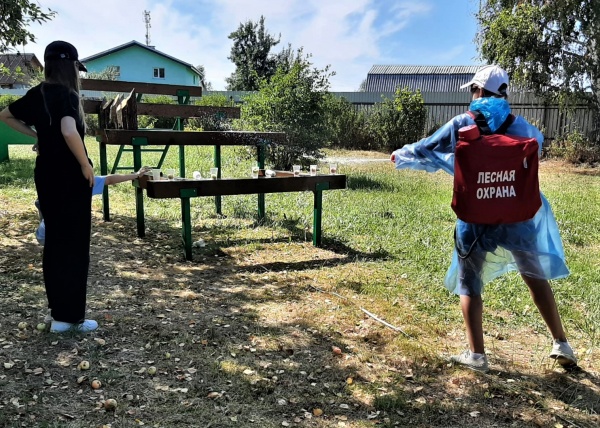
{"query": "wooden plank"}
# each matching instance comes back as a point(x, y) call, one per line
point(140, 88)
point(91, 106)
point(240, 186)
point(112, 121)
point(175, 110)
point(160, 137)
point(127, 113)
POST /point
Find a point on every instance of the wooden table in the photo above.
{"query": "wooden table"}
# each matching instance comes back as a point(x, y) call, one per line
point(141, 139)
point(282, 182)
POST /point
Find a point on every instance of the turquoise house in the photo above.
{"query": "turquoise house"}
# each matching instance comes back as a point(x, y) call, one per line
point(136, 62)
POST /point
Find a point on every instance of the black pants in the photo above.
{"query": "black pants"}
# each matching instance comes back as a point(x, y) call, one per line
point(66, 202)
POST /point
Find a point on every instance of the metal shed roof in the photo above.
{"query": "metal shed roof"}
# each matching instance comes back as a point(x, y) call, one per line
point(427, 78)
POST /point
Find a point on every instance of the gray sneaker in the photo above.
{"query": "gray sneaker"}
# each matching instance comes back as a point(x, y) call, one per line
point(563, 354)
point(466, 359)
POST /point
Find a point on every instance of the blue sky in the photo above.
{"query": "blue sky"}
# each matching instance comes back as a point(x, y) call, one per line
point(349, 35)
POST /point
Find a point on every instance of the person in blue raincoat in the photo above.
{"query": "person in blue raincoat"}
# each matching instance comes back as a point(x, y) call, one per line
point(533, 247)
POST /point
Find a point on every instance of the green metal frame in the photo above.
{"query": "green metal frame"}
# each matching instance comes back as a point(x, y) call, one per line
point(186, 217)
point(183, 97)
point(318, 212)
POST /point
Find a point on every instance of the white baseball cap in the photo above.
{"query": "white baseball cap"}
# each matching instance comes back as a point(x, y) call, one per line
point(491, 78)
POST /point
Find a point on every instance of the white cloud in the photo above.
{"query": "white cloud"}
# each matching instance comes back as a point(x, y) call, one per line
point(345, 34)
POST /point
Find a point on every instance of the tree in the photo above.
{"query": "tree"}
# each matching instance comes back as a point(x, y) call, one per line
point(251, 54)
point(292, 101)
point(15, 16)
point(206, 85)
point(550, 47)
point(109, 73)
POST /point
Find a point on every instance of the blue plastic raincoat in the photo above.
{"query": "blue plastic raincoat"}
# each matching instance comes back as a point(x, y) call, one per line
point(535, 243)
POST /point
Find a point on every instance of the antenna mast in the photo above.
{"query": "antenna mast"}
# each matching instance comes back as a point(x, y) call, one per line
point(147, 21)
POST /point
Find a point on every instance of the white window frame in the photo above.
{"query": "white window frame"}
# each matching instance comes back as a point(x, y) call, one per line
point(157, 71)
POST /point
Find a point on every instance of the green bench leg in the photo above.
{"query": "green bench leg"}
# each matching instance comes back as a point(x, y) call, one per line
point(104, 171)
point(218, 165)
point(261, 196)
point(139, 194)
point(3, 151)
point(318, 211)
point(186, 228)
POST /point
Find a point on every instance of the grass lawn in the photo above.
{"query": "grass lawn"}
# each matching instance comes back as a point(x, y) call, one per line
point(262, 329)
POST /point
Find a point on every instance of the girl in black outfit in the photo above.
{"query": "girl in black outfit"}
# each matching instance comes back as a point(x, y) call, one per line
point(63, 179)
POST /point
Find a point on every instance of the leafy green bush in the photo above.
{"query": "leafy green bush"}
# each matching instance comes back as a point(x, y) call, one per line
point(575, 148)
point(292, 101)
point(214, 122)
point(346, 127)
point(394, 123)
point(5, 100)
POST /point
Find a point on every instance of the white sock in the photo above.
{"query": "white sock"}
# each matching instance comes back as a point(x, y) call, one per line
point(477, 356)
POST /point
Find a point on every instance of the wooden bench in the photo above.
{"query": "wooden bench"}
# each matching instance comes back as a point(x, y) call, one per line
point(282, 182)
point(140, 140)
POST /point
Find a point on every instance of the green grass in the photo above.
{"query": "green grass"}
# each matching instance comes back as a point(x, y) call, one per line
point(387, 241)
point(397, 222)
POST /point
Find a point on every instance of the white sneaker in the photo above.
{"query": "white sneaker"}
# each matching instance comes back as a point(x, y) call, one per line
point(466, 359)
point(563, 354)
point(84, 327)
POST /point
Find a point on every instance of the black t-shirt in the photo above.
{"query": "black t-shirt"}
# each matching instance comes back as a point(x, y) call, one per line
point(43, 107)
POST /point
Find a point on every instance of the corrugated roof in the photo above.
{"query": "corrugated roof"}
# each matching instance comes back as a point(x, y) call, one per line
point(135, 43)
point(427, 78)
point(424, 69)
point(26, 61)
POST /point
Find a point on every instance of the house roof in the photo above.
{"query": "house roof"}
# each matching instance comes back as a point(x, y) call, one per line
point(141, 45)
point(427, 78)
point(26, 61)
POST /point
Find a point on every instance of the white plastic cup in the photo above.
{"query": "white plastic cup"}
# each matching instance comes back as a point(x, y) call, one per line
point(296, 169)
point(214, 172)
point(313, 170)
point(170, 173)
point(197, 175)
point(333, 168)
point(255, 170)
point(156, 174)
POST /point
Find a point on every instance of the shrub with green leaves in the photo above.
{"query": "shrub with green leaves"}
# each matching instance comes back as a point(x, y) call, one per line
point(5, 100)
point(214, 122)
point(394, 123)
point(292, 101)
point(575, 148)
point(346, 126)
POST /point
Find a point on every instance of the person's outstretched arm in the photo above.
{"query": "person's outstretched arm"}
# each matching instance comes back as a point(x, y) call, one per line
point(120, 178)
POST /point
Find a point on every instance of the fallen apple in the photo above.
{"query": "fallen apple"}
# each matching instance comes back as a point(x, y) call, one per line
point(22, 325)
point(84, 365)
point(41, 326)
point(96, 384)
point(110, 404)
point(151, 370)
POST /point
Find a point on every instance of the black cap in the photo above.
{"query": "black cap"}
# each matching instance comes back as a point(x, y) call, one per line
point(63, 50)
